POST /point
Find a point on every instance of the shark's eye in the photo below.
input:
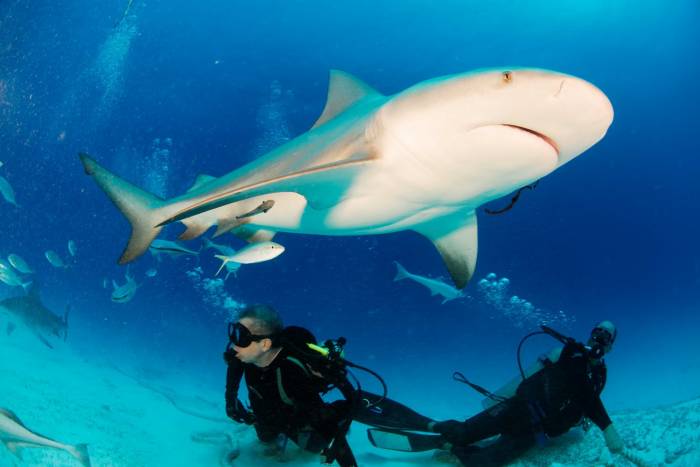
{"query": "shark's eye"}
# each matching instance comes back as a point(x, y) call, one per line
point(507, 76)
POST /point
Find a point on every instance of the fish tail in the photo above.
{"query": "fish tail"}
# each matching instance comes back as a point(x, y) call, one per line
point(80, 452)
point(401, 272)
point(142, 209)
point(224, 260)
point(27, 286)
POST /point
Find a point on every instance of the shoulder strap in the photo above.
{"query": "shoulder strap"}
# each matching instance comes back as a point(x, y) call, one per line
point(280, 387)
point(298, 363)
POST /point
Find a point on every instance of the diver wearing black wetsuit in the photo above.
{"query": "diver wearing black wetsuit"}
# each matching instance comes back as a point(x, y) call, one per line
point(284, 394)
point(546, 404)
point(292, 407)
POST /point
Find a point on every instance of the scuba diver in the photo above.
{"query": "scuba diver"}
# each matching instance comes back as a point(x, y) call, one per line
point(562, 392)
point(286, 373)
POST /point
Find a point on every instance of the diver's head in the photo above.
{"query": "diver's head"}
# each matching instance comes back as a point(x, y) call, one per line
point(603, 337)
point(253, 334)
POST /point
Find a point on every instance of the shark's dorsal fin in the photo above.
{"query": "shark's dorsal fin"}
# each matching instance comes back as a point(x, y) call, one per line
point(455, 237)
point(343, 91)
point(200, 180)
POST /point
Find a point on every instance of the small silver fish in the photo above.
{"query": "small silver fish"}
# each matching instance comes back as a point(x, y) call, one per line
point(19, 264)
point(7, 192)
point(10, 277)
point(151, 272)
point(72, 249)
point(54, 259)
point(253, 253)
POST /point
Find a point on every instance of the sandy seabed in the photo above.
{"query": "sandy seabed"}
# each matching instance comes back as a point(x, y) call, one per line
point(130, 420)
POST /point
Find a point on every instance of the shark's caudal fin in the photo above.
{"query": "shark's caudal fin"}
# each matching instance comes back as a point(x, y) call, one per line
point(456, 240)
point(401, 272)
point(80, 452)
point(140, 207)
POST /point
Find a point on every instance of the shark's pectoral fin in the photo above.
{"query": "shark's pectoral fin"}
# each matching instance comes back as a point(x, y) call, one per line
point(455, 237)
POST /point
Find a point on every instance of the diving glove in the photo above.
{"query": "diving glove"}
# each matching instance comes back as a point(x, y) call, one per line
point(239, 413)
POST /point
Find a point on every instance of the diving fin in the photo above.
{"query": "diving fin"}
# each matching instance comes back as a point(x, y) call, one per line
point(389, 414)
point(396, 440)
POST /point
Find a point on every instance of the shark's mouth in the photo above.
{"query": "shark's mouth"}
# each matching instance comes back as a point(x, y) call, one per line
point(543, 137)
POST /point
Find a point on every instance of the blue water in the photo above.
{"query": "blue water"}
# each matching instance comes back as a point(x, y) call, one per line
point(611, 235)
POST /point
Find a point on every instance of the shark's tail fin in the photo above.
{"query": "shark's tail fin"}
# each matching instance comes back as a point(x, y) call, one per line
point(80, 452)
point(401, 272)
point(140, 207)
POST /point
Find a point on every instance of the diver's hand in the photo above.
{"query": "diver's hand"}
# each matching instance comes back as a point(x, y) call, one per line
point(613, 440)
point(239, 413)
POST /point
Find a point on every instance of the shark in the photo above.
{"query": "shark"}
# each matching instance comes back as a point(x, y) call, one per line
point(436, 287)
point(35, 316)
point(423, 159)
point(15, 435)
point(125, 292)
point(168, 247)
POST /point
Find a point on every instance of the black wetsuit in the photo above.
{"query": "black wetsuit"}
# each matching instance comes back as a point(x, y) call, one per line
point(285, 399)
point(546, 404)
